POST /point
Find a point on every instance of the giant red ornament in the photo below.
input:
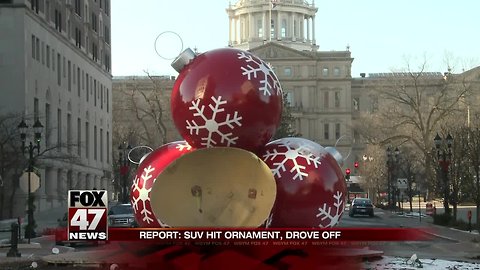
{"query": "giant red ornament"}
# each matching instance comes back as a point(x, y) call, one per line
point(310, 184)
point(148, 170)
point(225, 97)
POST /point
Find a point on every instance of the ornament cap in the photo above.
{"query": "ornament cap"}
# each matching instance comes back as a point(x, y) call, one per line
point(335, 154)
point(183, 59)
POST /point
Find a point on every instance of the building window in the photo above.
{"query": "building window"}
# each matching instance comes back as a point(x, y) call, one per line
point(325, 72)
point(290, 100)
point(107, 62)
point(59, 129)
point(325, 99)
point(48, 56)
point(272, 29)
point(94, 52)
point(78, 37)
point(59, 71)
point(43, 53)
point(79, 137)
point(356, 104)
point(35, 109)
point(108, 100)
point(108, 147)
point(336, 72)
point(101, 144)
point(101, 96)
point(311, 128)
point(326, 131)
point(107, 34)
point(78, 81)
point(78, 7)
point(53, 59)
point(33, 46)
point(69, 76)
point(337, 99)
point(284, 28)
point(69, 133)
point(287, 71)
point(87, 140)
point(64, 68)
point(37, 49)
point(107, 7)
point(94, 92)
point(95, 142)
point(86, 82)
point(337, 131)
point(259, 28)
point(47, 124)
point(94, 22)
point(34, 5)
point(58, 20)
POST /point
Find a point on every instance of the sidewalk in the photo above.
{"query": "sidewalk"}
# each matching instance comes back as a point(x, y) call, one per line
point(450, 239)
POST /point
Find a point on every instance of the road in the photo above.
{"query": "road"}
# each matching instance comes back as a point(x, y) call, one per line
point(439, 247)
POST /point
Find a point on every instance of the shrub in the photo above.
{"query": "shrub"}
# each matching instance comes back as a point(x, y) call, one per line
point(442, 219)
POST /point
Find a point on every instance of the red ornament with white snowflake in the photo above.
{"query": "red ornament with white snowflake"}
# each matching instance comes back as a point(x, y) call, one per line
point(225, 97)
point(310, 184)
point(150, 167)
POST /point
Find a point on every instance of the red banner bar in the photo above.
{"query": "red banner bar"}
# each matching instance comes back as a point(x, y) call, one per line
point(169, 235)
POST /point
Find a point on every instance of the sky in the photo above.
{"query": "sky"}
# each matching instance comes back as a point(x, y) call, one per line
point(383, 36)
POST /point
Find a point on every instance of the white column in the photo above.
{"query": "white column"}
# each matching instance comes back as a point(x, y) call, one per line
point(88, 181)
point(264, 26)
point(251, 27)
point(61, 184)
point(292, 26)
point(308, 29)
point(278, 26)
point(50, 182)
point(234, 30)
point(313, 30)
point(230, 31)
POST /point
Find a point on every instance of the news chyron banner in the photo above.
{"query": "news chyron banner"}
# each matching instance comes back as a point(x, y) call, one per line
point(87, 215)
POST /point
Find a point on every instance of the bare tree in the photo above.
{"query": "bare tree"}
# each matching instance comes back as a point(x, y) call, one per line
point(412, 106)
point(146, 100)
point(13, 161)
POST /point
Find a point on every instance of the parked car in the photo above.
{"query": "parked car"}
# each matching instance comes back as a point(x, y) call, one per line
point(121, 216)
point(362, 206)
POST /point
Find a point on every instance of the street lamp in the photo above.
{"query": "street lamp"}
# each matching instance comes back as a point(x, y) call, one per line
point(392, 157)
point(415, 188)
point(364, 169)
point(37, 130)
point(123, 161)
point(444, 156)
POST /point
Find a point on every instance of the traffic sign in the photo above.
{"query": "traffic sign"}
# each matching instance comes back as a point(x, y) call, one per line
point(34, 182)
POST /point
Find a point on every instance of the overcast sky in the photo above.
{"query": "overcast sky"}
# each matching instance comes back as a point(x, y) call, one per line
point(381, 34)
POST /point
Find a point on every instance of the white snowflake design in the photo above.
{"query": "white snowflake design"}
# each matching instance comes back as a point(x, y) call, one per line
point(212, 125)
point(262, 69)
point(143, 194)
point(335, 217)
point(292, 153)
point(183, 146)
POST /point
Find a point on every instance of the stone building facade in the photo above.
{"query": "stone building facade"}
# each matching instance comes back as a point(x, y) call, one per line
point(55, 66)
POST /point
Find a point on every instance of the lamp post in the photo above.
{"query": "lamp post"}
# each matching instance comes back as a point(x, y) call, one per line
point(364, 169)
point(415, 188)
point(37, 130)
point(392, 157)
point(123, 162)
point(444, 156)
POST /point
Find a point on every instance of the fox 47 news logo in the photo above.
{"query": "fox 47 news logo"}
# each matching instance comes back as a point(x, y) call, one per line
point(87, 215)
